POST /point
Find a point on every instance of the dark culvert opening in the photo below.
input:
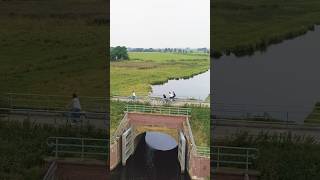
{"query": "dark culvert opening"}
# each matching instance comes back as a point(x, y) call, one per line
point(155, 158)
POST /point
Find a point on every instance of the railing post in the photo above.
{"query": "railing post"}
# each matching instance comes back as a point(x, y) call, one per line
point(218, 158)
point(56, 153)
point(82, 148)
point(47, 103)
point(247, 160)
point(10, 101)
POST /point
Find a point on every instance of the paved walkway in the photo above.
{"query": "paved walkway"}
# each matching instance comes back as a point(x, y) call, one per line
point(97, 120)
point(223, 128)
point(157, 101)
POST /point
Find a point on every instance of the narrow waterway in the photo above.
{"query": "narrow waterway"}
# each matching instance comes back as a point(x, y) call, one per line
point(147, 163)
point(284, 80)
point(196, 87)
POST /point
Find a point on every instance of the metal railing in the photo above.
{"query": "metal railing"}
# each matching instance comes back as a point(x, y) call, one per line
point(55, 116)
point(237, 157)
point(51, 172)
point(158, 109)
point(203, 151)
point(119, 129)
point(159, 100)
point(274, 113)
point(78, 147)
point(53, 102)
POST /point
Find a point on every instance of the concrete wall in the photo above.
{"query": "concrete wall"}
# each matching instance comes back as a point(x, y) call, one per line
point(199, 167)
point(115, 154)
point(143, 119)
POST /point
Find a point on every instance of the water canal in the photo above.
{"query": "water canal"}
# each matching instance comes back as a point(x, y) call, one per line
point(196, 87)
point(155, 158)
point(284, 79)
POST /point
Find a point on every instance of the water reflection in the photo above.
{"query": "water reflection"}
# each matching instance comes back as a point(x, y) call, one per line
point(160, 141)
point(287, 75)
point(150, 164)
point(197, 87)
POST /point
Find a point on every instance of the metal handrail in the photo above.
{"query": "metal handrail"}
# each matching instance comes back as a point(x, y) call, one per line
point(49, 111)
point(79, 147)
point(58, 102)
point(119, 129)
point(51, 172)
point(203, 151)
point(237, 156)
point(158, 109)
point(51, 95)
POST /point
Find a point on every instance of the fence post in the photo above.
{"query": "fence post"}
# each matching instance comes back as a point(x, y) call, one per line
point(56, 154)
point(218, 158)
point(247, 160)
point(82, 148)
point(10, 101)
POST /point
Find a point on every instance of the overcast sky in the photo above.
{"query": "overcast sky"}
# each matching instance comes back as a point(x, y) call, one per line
point(160, 23)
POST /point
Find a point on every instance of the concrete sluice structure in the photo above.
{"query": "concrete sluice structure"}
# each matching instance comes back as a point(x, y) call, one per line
point(138, 121)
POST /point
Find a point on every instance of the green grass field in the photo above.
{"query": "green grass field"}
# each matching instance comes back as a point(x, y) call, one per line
point(24, 147)
point(244, 26)
point(282, 157)
point(147, 68)
point(199, 121)
point(53, 47)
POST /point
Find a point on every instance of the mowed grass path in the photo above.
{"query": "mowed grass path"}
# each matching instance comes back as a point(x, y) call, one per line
point(53, 47)
point(248, 24)
point(147, 68)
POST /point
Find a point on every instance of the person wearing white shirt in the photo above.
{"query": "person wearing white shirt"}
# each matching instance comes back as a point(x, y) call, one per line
point(75, 106)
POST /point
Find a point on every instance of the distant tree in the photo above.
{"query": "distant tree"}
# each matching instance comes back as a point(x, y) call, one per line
point(119, 53)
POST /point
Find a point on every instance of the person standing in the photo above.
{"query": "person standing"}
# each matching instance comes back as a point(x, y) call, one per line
point(75, 107)
point(134, 95)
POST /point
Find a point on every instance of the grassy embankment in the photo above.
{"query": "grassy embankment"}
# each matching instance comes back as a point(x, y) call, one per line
point(144, 69)
point(282, 157)
point(53, 47)
point(242, 27)
point(199, 121)
point(48, 47)
point(23, 147)
point(314, 116)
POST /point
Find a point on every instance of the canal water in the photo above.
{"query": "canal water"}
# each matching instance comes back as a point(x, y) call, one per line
point(284, 80)
point(196, 87)
point(148, 163)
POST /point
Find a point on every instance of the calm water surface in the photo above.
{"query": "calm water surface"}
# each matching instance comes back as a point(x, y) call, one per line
point(148, 163)
point(197, 87)
point(286, 77)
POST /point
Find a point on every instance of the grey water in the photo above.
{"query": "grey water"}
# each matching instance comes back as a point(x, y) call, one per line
point(149, 163)
point(160, 141)
point(285, 79)
point(197, 87)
